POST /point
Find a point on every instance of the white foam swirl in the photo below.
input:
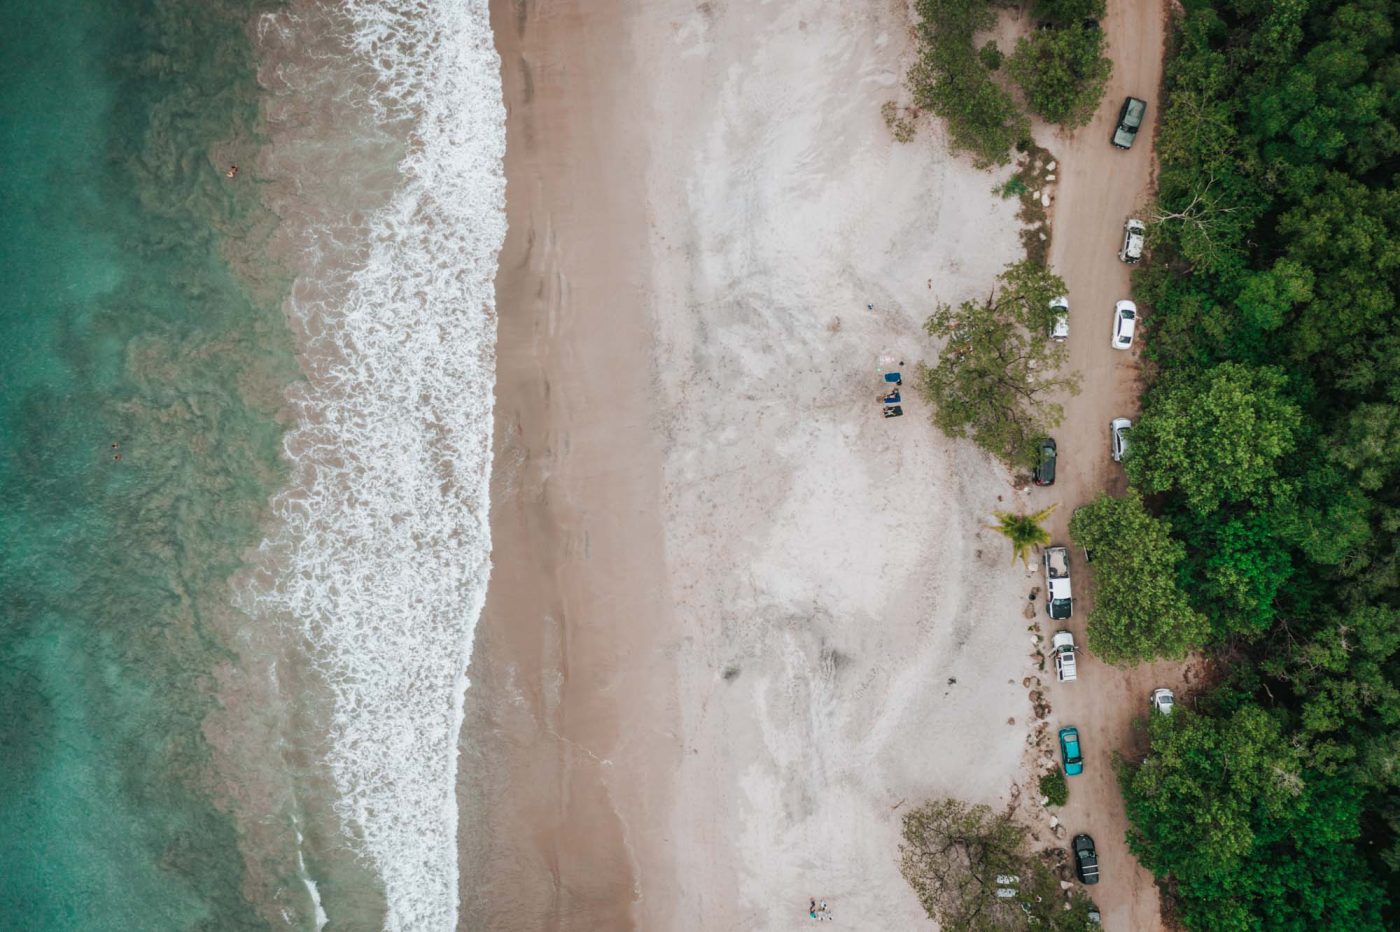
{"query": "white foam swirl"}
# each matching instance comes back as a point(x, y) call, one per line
point(385, 530)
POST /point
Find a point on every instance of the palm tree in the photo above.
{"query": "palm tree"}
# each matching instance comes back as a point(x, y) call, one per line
point(1024, 531)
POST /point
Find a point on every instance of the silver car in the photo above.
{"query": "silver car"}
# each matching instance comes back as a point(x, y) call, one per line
point(1163, 701)
point(1124, 324)
point(1118, 442)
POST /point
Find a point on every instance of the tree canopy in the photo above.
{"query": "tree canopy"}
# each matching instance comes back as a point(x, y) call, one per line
point(1140, 611)
point(956, 856)
point(1269, 444)
point(996, 375)
point(1062, 71)
point(1215, 438)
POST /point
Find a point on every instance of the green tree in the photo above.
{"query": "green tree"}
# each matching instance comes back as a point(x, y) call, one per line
point(1224, 805)
point(1216, 437)
point(1140, 611)
point(1024, 531)
point(1065, 12)
point(994, 379)
point(957, 856)
point(1242, 565)
point(1062, 72)
point(952, 79)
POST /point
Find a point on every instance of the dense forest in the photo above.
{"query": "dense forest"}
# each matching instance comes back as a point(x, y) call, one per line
point(1265, 510)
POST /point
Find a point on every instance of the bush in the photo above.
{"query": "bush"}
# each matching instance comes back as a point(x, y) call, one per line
point(990, 56)
point(1055, 788)
point(1063, 72)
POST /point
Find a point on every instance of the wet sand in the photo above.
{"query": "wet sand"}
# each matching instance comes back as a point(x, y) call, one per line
point(578, 589)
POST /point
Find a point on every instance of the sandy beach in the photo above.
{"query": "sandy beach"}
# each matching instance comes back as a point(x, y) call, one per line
point(737, 620)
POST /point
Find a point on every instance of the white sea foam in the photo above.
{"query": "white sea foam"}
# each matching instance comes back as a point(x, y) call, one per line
point(384, 538)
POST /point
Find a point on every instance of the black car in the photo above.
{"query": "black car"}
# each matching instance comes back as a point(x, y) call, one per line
point(1045, 469)
point(1086, 859)
point(1129, 121)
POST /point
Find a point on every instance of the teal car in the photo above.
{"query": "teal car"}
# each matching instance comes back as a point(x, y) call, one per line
point(1069, 750)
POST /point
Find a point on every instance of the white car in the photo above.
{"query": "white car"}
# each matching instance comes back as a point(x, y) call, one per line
point(1163, 700)
point(1062, 643)
point(1059, 320)
point(1133, 233)
point(1118, 440)
point(1124, 323)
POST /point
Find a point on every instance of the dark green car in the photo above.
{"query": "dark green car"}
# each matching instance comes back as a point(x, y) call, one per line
point(1129, 122)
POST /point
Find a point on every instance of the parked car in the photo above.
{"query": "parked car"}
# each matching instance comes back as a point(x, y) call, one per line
point(1086, 859)
point(1066, 667)
point(1069, 750)
point(1134, 232)
point(1045, 469)
point(1118, 437)
point(1124, 323)
point(1162, 700)
point(1059, 320)
point(1059, 598)
point(1129, 122)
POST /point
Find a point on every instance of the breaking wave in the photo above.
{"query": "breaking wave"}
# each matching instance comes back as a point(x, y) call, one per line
point(379, 556)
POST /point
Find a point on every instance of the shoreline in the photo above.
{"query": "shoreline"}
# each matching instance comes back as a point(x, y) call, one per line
point(549, 778)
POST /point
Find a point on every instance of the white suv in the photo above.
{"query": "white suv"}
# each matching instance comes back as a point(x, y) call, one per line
point(1133, 233)
point(1059, 320)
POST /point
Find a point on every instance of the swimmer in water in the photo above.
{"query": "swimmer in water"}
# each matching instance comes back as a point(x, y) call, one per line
point(232, 172)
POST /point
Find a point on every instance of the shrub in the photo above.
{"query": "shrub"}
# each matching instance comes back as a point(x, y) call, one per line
point(1054, 787)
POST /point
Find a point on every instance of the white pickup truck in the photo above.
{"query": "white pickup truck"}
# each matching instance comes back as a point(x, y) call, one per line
point(1058, 598)
point(1062, 644)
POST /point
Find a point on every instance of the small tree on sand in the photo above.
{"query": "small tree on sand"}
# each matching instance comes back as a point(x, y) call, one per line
point(997, 372)
point(1024, 531)
point(958, 857)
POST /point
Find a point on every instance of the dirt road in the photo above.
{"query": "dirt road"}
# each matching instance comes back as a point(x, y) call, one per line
point(1099, 187)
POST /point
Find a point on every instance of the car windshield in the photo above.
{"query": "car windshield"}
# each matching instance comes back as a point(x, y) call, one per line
point(1128, 313)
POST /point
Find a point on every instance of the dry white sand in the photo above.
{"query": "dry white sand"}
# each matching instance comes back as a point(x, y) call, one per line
point(849, 637)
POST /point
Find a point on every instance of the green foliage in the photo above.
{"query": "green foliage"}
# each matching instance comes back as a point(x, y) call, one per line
point(1214, 438)
point(1065, 12)
point(1140, 611)
point(1271, 442)
point(953, 854)
point(1054, 787)
point(1063, 72)
point(990, 56)
point(1227, 807)
point(994, 378)
point(1024, 531)
point(953, 80)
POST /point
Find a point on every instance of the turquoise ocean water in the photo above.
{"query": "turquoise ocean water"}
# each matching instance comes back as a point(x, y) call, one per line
point(137, 312)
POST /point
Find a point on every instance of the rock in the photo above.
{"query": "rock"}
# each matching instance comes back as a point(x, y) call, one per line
point(1054, 821)
point(1050, 167)
point(1036, 194)
point(1025, 683)
point(1011, 720)
point(1059, 831)
point(1045, 199)
point(1066, 885)
point(1043, 237)
point(1049, 177)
